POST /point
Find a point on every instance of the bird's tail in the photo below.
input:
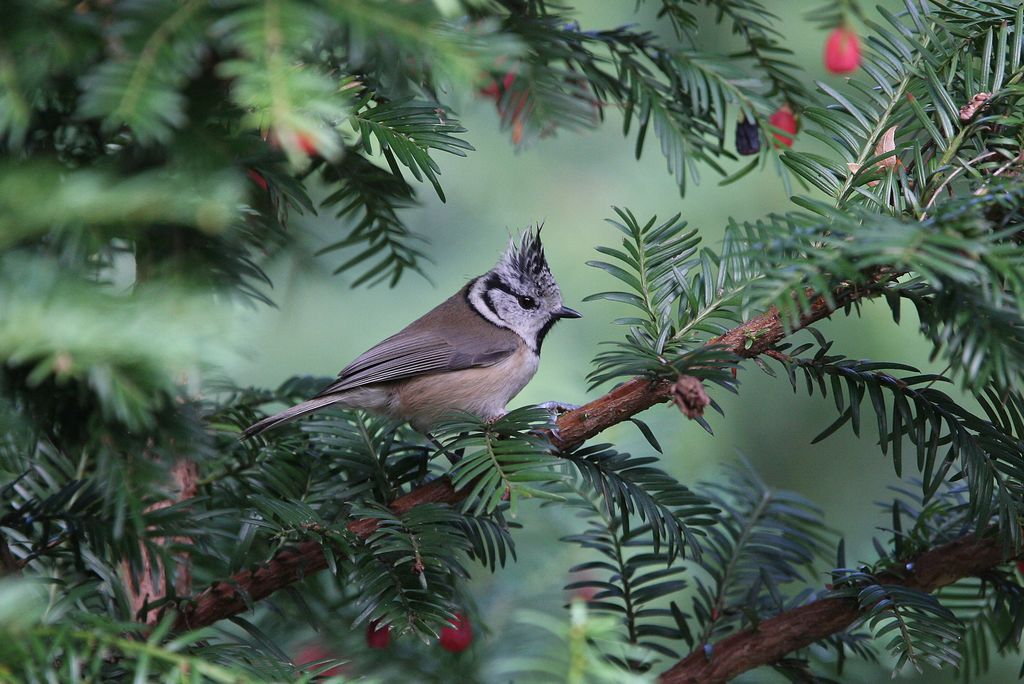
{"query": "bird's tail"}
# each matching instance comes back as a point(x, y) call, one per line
point(290, 414)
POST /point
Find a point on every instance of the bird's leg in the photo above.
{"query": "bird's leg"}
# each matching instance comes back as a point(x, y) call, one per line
point(557, 409)
point(453, 458)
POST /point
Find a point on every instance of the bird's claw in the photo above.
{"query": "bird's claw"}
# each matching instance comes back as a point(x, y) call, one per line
point(558, 408)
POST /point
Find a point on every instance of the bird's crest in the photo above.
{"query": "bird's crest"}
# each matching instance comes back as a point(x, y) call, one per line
point(525, 255)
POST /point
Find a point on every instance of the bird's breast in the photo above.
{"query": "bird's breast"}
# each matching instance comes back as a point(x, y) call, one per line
point(483, 392)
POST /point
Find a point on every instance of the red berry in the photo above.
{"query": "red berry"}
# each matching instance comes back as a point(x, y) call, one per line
point(257, 178)
point(494, 91)
point(315, 652)
point(584, 593)
point(459, 636)
point(518, 103)
point(378, 637)
point(842, 51)
point(306, 144)
point(1020, 566)
point(784, 119)
point(303, 141)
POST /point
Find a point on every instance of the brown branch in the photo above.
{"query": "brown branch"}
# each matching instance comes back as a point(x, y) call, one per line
point(754, 337)
point(792, 630)
point(223, 599)
point(147, 586)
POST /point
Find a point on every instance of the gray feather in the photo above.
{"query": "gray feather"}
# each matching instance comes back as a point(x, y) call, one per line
point(290, 414)
point(451, 337)
point(400, 356)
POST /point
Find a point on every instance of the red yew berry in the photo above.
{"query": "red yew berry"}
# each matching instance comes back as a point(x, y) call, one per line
point(1020, 566)
point(517, 103)
point(303, 141)
point(306, 144)
point(257, 178)
point(842, 51)
point(315, 652)
point(493, 90)
point(378, 637)
point(785, 120)
point(580, 587)
point(458, 636)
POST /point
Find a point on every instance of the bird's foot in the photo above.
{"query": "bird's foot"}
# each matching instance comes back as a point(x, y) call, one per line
point(558, 408)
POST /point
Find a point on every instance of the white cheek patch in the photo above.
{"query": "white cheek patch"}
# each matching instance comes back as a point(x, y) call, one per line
point(476, 300)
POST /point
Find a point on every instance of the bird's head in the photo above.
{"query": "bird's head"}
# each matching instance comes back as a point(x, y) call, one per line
point(520, 293)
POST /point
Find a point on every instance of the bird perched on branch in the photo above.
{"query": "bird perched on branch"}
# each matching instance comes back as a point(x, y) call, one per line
point(472, 353)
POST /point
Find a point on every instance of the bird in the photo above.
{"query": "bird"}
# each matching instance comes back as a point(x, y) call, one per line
point(472, 353)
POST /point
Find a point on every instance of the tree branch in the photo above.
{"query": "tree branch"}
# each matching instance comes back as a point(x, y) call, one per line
point(149, 584)
point(792, 630)
point(224, 599)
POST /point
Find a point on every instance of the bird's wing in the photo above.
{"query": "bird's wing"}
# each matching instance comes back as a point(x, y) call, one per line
point(416, 352)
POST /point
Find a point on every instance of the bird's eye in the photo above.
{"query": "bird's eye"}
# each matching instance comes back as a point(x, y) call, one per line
point(527, 302)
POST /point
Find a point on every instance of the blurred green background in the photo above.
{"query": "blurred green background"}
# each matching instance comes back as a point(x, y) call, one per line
point(571, 182)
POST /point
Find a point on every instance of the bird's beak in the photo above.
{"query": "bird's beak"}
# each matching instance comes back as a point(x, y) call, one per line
point(566, 312)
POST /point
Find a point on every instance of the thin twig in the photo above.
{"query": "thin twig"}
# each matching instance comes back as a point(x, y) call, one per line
point(949, 179)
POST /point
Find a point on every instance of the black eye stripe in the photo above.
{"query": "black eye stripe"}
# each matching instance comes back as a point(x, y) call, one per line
point(494, 282)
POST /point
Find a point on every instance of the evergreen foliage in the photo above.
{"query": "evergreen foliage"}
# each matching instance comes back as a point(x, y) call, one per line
point(152, 156)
